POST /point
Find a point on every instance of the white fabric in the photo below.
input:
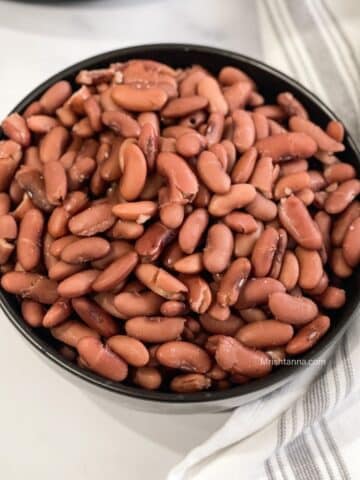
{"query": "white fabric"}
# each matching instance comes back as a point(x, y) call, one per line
point(309, 429)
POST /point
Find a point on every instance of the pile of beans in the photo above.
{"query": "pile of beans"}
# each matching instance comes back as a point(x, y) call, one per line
point(171, 229)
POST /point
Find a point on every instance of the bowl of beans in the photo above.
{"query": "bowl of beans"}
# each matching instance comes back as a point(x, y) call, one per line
point(178, 225)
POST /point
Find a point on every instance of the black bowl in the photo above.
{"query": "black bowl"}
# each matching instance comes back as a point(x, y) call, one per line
point(270, 83)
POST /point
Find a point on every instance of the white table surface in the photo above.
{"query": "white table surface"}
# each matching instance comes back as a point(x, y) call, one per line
point(51, 427)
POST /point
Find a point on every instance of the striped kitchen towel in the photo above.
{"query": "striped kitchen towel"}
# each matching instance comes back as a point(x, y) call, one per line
point(309, 429)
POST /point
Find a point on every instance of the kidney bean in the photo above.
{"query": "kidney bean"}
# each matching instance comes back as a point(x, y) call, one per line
point(30, 285)
point(155, 329)
point(15, 127)
point(53, 145)
point(290, 270)
point(130, 349)
point(192, 230)
point(261, 125)
point(194, 120)
point(189, 264)
point(244, 167)
point(149, 141)
point(244, 130)
point(323, 141)
point(265, 334)
point(77, 284)
point(34, 108)
point(8, 227)
point(172, 308)
point(252, 314)
point(171, 213)
point(237, 95)
point(32, 312)
point(320, 287)
point(214, 129)
point(160, 281)
point(101, 359)
point(244, 242)
point(335, 130)
point(72, 331)
point(262, 208)
point(8, 166)
point(293, 166)
point(134, 161)
point(219, 312)
point(106, 301)
point(311, 269)
point(339, 172)
point(139, 212)
point(199, 293)
point(230, 75)
point(212, 173)
point(286, 146)
point(291, 105)
point(289, 309)
point(134, 304)
point(341, 198)
point(263, 252)
point(151, 244)
point(94, 316)
point(75, 250)
point(218, 249)
point(292, 183)
point(183, 356)
point(297, 221)
point(189, 383)
point(95, 219)
point(342, 224)
point(148, 378)
point(209, 88)
point(121, 123)
point(180, 107)
point(61, 270)
point(338, 264)
point(29, 239)
point(5, 203)
point(116, 272)
point(189, 144)
point(256, 291)
point(308, 335)
point(239, 196)
point(332, 298)
point(262, 177)
point(183, 184)
point(279, 254)
point(6, 250)
point(241, 222)
point(55, 96)
point(57, 313)
point(31, 181)
point(55, 182)
point(274, 112)
point(139, 99)
point(224, 327)
point(236, 358)
point(350, 248)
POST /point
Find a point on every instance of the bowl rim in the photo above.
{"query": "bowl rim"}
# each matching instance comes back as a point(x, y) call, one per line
point(277, 377)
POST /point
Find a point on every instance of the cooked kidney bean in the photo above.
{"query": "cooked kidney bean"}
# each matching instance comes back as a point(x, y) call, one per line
point(166, 220)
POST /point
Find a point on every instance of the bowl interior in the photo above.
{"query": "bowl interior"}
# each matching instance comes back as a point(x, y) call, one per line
point(270, 82)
